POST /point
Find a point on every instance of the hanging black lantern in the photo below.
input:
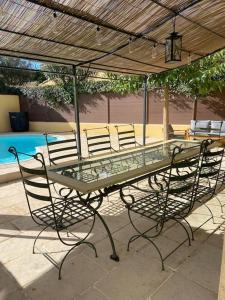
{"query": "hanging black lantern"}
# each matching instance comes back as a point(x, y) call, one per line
point(173, 47)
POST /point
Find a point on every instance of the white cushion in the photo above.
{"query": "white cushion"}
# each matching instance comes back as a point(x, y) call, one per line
point(203, 125)
point(193, 124)
point(215, 127)
point(223, 127)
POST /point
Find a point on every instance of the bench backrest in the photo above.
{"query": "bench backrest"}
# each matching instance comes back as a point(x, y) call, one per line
point(216, 128)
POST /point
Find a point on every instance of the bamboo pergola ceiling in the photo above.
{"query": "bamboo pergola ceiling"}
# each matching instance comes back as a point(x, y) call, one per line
point(68, 31)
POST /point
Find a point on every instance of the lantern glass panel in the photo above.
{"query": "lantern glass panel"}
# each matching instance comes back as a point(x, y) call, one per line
point(173, 48)
point(168, 49)
point(177, 48)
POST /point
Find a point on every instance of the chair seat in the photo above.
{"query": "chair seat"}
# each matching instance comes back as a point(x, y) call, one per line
point(201, 191)
point(221, 176)
point(67, 213)
point(152, 206)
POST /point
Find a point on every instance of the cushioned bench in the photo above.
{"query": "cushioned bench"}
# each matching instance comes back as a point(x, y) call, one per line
point(206, 128)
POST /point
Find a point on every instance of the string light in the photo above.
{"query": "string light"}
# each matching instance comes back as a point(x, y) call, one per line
point(189, 58)
point(98, 36)
point(131, 44)
point(154, 51)
point(54, 23)
point(2, 13)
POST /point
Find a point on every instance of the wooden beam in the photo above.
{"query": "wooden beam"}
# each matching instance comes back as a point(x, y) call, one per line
point(166, 113)
point(195, 105)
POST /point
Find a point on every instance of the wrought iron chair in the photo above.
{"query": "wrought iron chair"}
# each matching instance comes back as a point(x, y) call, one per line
point(57, 213)
point(98, 143)
point(126, 136)
point(61, 149)
point(209, 172)
point(208, 175)
point(164, 200)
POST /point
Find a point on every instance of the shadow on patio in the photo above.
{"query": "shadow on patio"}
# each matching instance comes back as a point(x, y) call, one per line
point(191, 272)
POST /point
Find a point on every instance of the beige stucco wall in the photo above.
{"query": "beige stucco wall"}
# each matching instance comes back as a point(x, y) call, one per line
point(152, 130)
point(8, 103)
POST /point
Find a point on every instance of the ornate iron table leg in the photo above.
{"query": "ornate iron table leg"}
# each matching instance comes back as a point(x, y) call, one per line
point(114, 255)
point(99, 199)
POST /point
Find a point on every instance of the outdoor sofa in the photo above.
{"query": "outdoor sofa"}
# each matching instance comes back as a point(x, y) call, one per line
point(205, 128)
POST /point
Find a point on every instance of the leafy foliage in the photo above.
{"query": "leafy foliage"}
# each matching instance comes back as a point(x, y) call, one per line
point(53, 95)
point(15, 77)
point(200, 78)
point(197, 79)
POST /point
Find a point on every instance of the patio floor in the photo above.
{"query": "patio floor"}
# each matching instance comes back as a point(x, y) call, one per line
point(191, 272)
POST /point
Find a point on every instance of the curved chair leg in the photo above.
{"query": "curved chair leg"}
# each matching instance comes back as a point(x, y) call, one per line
point(63, 260)
point(189, 240)
point(136, 236)
point(157, 249)
point(221, 205)
point(192, 232)
point(132, 239)
point(148, 238)
point(38, 237)
point(91, 246)
point(211, 213)
point(70, 250)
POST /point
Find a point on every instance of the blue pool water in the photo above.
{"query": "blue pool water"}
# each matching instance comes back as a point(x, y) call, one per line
point(23, 143)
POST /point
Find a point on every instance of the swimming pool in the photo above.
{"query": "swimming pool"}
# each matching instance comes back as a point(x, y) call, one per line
point(24, 143)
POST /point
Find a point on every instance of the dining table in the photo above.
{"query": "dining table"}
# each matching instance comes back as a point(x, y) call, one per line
point(93, 179)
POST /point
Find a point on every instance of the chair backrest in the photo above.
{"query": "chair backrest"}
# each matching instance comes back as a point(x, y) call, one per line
point(35, 179)
point(210, 162)
point(179, 181)
point(98, 140)
point(183, 173)
point(126, 136)
point(62, 149)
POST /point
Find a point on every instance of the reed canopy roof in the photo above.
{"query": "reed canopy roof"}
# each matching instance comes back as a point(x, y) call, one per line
point(113, 35)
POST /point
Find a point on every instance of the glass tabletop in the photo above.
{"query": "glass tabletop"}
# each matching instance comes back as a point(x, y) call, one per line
point(88, 171)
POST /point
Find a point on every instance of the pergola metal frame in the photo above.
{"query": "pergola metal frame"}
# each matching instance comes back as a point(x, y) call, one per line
point(60, 8)
point(74, 76)
point(93, 64)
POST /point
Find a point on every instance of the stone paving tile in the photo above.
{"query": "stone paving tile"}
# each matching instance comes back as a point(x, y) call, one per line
point(114, 223)
point(14, 187)
point(78, 274)
point(133, 279)
point(7, 231)
point(138, 274)
point(177, 233)
point(204, 267)
point(8, 214)
point(92, 294)
point(57, 250)
point(29, 267)
point(166, 246)
point(14, 248)
point(104, 250)
point(48, 287)
point(7, 283)
point(216, 239)
point(16, 295)
point(9, 201)
point(128, 231)
point(24, 223)
point(82, 272)
point(180, 288)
